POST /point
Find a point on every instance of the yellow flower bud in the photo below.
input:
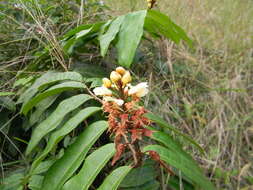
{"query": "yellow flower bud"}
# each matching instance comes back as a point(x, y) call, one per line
point(120, 70)
point(150, 5)
point(115, 77)
point(126, 78)
point(149, 1)
point(107, 83)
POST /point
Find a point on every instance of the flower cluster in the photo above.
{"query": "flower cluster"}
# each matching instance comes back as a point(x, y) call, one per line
point(125, 117)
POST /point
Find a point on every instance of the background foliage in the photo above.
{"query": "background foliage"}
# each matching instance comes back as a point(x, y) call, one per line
point(205, 91)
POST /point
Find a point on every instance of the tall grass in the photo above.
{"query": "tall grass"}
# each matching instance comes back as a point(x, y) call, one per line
point(208, 90)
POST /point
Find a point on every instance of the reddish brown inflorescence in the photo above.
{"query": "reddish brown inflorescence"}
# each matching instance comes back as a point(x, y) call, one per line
point(127, 124)
point(125, 117)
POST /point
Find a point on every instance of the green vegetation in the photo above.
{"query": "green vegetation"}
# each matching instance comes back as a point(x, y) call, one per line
point(198, 61)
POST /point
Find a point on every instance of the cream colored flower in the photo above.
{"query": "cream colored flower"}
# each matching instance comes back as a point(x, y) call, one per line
point(120, 70)
point(139, 90)
point(115, 77)
point(126, 78)
point(106, 83)
point(102, 91)
point(111, 99)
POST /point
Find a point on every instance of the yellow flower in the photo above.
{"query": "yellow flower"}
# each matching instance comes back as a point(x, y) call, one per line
point(107, 83)
point(139, 90)
point(126, 78)
point(120, 70)
point(115, 77)
point(102, 91)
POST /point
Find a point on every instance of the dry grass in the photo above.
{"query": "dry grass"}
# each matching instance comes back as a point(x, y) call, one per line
point(208, 91)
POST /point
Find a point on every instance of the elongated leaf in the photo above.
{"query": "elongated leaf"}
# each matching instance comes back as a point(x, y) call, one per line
point(151, 185)
point(6, 93)
point(58, 135)
point(53, 120)
point(23, 81)
point(64, 168)
point(168, 141)
point(43, 167)
point(159, 23)
point(130, 34)
point(92, 166)
point(12, 182)
point(35, 182)
point(164, 124)
point(51, 91)
point(41, 107)
point(175, 147)
point(140, 176)
point(89, 70)
point(7, 103)
point(114, 179)
point(83, 33)
point(176, 183)
point(108, 37)
point(178, 161)
point(95, 28)
point(47, 79)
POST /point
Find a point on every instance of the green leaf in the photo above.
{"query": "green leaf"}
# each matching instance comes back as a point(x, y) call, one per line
point(64, 168)
point(156, 22)
point(130, 34)
point(45, 80)
point(169, 142)
point(12, 182)
point(7, 103)
point(92, 166)
point(95, 28)
point(109, 36)
point(150, 185)
point(83, 33)
point(176, 183)
point(114, 179)
point(35, 182)
point(178, 161)
point(58, 135)
point(41, 108)
point(89, 70)
point(23, 81)
point(55, 118)
point(6, 93)
point(140, 176)
point(43, 167)
point(56, 89)
point(162, 123)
